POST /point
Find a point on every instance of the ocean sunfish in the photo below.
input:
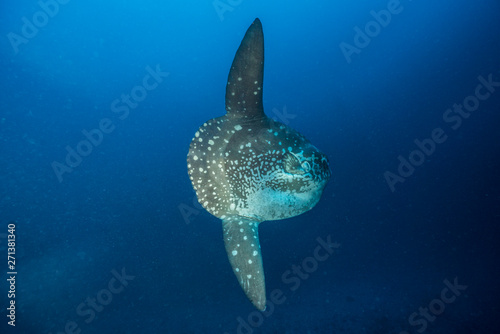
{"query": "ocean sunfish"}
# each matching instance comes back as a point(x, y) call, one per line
point(247, 168)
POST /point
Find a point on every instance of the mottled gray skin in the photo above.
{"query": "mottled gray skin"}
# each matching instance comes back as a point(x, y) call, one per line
point(247, 168)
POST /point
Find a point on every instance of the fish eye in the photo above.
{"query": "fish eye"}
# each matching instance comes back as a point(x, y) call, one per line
point(306, 166)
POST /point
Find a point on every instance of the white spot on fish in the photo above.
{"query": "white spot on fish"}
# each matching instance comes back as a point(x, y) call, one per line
point(237, 127)
point(234, 253)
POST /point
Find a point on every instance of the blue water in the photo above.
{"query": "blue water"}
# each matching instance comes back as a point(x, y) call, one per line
point(112, 240)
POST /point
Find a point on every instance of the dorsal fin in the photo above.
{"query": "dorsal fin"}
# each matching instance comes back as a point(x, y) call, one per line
point(244, 83)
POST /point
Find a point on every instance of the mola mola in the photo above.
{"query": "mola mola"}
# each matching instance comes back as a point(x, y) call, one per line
point(247, 168)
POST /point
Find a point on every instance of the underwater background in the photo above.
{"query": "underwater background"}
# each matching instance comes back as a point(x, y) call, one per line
point(100, 100)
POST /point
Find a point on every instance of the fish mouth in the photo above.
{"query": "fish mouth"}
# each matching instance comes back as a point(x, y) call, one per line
point(322, 167)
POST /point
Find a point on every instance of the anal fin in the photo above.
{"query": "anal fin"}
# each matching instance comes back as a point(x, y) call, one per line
point(241, 237)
